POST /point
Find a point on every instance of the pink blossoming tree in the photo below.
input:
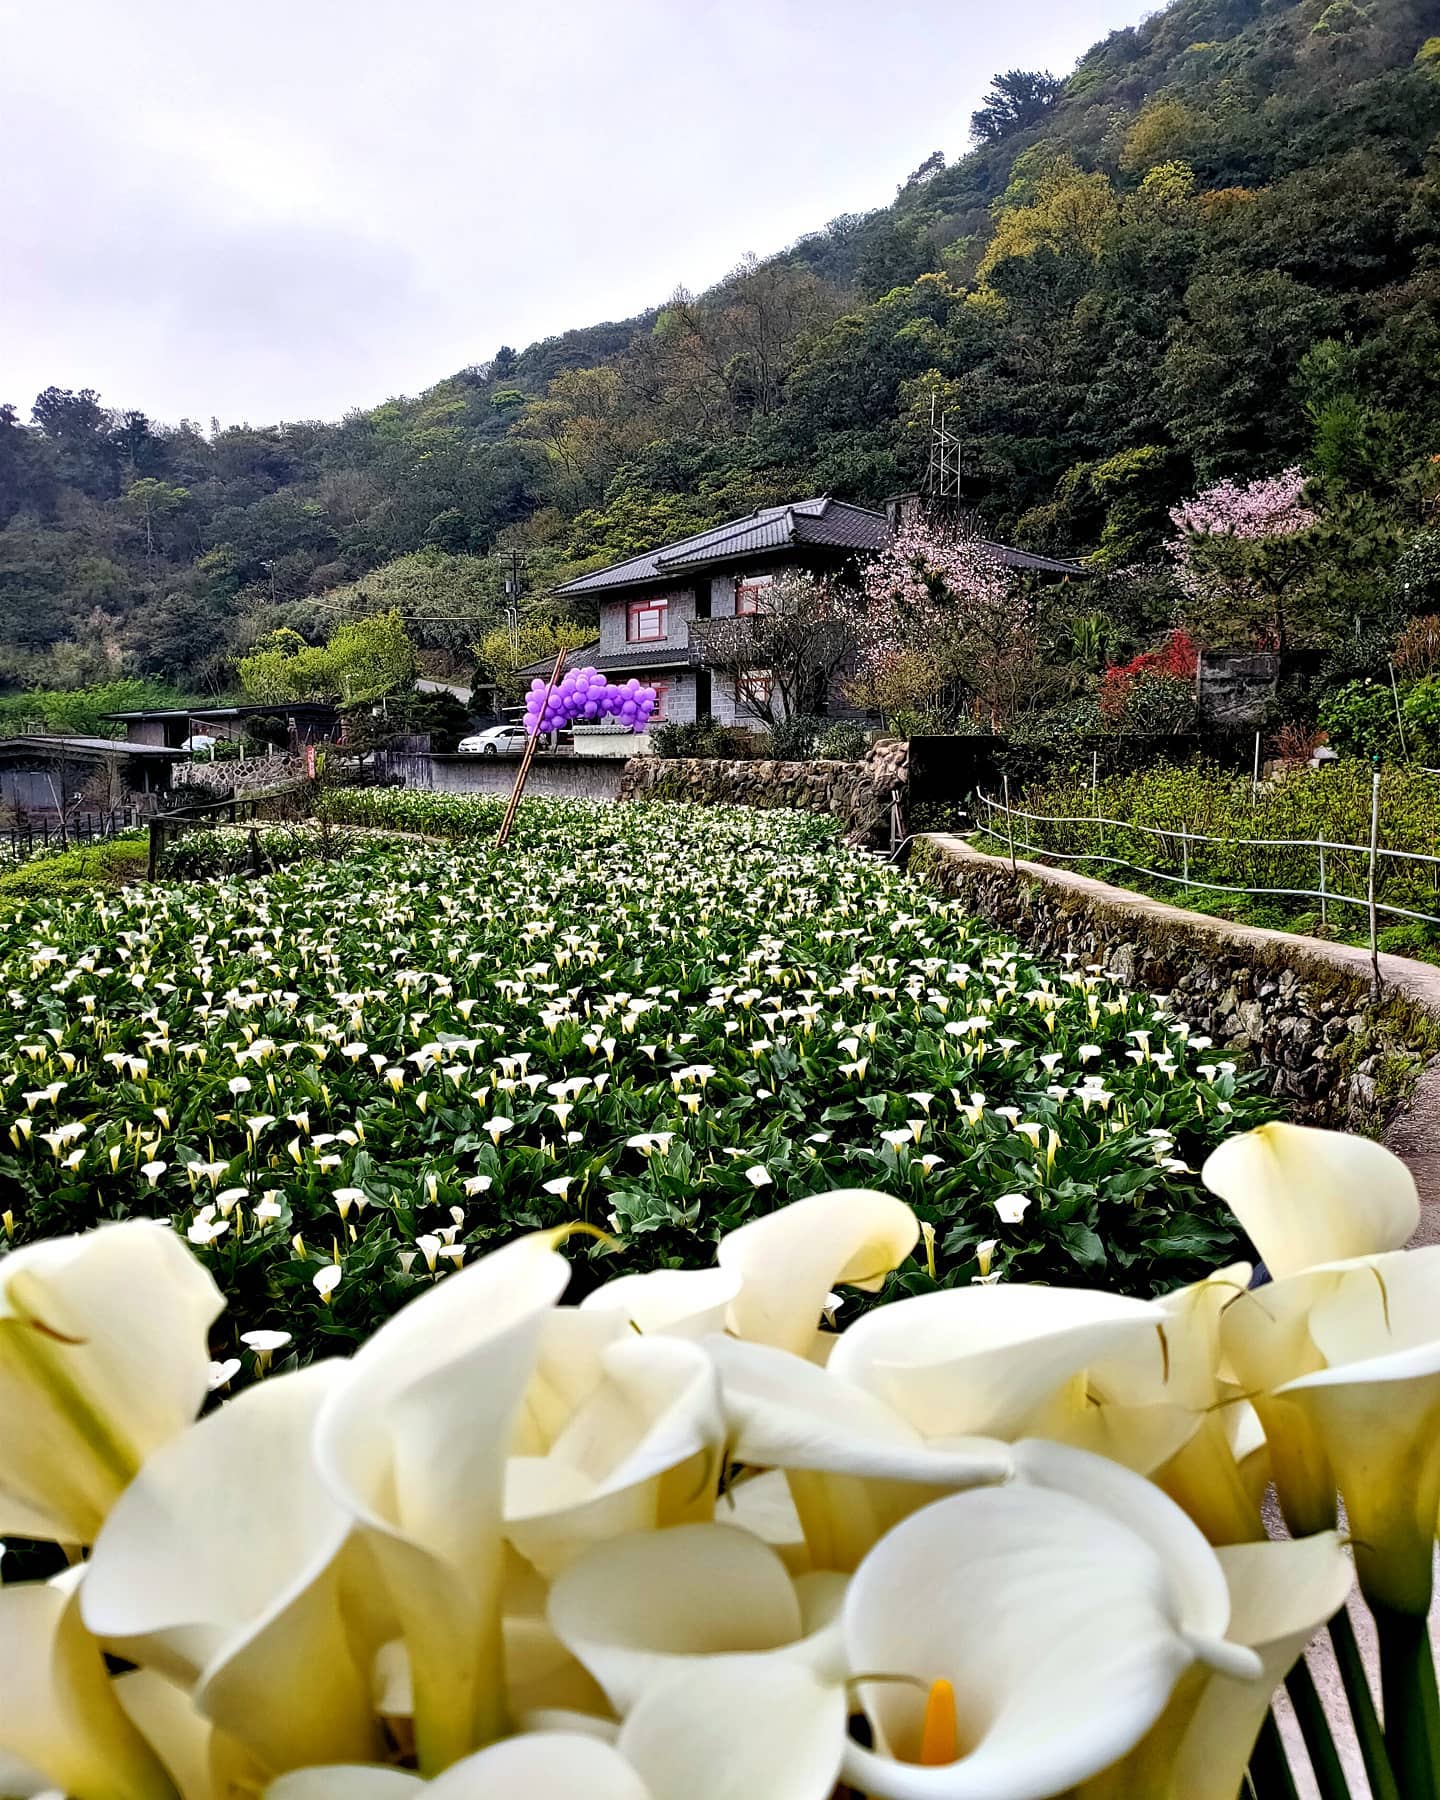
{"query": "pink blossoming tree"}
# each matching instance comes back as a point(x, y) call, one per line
point(942, 632)
point(1242, 550)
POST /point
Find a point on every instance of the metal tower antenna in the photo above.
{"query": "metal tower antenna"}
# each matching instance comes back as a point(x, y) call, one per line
point(942, 480)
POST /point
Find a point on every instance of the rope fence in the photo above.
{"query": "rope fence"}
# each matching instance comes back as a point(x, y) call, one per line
point(1277, 867)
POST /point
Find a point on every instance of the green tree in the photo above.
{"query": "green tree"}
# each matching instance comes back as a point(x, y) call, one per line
point(154, 505)
point(1017, 99)
point(360, 662)
point(502, 655)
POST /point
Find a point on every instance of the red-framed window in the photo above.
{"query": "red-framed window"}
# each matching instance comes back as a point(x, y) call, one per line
point(662, 701)
point(648, 621)
point(750, 595)
point(753, 687)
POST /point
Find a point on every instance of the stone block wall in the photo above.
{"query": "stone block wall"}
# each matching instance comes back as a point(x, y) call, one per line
point(1302, 1011)
point(207, 780)
point(856, 793)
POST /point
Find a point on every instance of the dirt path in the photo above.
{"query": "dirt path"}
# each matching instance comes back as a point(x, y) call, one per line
point(1415, 1135)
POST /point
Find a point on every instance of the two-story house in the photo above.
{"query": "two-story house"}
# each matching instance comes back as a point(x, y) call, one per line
point(648, 604)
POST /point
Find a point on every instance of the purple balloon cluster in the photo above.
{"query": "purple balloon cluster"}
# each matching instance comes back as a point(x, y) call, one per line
point(584, 695)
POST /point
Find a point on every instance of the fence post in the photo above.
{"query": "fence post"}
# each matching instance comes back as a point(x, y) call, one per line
point(1009, 822)
point(1095, 795)
point(1255, 778)
point(1374, 858)
point(1185, 854)
point(157, 845)
point(1323, 919)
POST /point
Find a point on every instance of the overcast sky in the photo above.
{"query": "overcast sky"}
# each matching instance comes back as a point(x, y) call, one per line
point(265, 209)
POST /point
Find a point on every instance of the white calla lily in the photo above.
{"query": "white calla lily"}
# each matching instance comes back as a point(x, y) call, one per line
point(261, 1634)
point(103, 1358)
point(678, 1302)
point(1171, 1417)
point(854, 1465)
point(1374, 1408)
point(1307, 1196)
point(59, 1710)
point(789, 1260)
point(641, 1450)
point(648, 1607)
point(680, 1743)
point(681, 1737)
point(412, 1445)
point(985, 1360)
point(166, 1717)
point(1058, 1628)
point(1281, 1594)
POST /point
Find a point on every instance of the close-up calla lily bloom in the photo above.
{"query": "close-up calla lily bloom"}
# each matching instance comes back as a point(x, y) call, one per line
point(410, 1445)
point(1307, 1196)
point(789, 1261)
point(986, 1360)
point(1374, 1408)
point(659, 1604)
point(103, 1359)
point(1281, 1594)
point(226, 1565)
point(641, 1449)
point(60, 1714)
point(1054, 1630)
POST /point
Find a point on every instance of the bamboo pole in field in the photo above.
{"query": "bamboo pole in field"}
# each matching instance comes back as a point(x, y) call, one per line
point(522, 774)
point(1374, 858)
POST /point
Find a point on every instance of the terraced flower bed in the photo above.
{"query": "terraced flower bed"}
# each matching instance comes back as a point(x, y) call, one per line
point(343, 1079)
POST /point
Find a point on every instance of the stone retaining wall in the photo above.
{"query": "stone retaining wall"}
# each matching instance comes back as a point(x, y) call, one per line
point(1300, 1009)
point(856, 793)
point(233, 776)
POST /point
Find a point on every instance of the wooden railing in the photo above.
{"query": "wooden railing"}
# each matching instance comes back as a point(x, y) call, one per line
point(285, 802)
point(47, 831)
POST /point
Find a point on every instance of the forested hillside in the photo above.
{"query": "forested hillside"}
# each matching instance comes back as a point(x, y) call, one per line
point(1213, 250)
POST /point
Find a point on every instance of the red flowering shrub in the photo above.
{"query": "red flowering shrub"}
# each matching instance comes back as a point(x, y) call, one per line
point(1174, 659)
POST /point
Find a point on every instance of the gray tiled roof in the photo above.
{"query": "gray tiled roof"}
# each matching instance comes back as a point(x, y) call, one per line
point(821, 521)
point(59, 745)
point(630, 662)
point(1025, 559)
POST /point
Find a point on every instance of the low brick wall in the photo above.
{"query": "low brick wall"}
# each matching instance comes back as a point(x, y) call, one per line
point(1300, 1009)
point(856, 793)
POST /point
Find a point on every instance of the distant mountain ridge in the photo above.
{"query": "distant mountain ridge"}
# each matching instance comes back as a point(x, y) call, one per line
point(1216, 252)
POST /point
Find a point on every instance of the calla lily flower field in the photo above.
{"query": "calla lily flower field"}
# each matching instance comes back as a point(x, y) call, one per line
point(675, 1312)
point(343, 1081)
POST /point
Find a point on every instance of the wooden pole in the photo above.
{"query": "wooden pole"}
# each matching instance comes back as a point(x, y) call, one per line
point(522, 774)
point(1374, 859)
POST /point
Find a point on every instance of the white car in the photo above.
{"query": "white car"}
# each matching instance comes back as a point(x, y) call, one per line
point(499, 740)
point(199, 741)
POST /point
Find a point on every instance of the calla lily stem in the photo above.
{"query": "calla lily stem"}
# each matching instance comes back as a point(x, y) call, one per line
point(1362, 1708)
point(1412, 1708)
point(1315, 1729)
point(1270, 1776)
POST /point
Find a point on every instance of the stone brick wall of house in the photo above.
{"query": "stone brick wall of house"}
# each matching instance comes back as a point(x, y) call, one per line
point(614, 616)
point(856, 793)
point(680, 698)
point(1300, 1010)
